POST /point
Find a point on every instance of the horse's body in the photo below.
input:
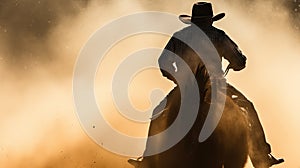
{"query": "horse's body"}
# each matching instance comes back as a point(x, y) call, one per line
point(227, 146)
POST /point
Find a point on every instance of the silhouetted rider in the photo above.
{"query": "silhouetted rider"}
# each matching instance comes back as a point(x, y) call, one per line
point(202, 16)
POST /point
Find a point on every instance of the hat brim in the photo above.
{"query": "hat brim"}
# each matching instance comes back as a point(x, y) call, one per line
point(188, 19)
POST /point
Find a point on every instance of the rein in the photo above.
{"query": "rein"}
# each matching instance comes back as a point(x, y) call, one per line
point(227, 70)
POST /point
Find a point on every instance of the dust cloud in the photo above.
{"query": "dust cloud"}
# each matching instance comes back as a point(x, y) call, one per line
point(39, 43)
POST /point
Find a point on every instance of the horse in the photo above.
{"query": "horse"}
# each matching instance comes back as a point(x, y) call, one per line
point(227, 146)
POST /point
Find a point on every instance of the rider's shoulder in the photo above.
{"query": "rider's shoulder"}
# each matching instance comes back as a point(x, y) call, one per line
point(182, 31)
point(219, 31)
point(211, 31)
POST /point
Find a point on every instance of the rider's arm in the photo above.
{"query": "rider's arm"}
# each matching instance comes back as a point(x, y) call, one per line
point(167, 59)
point(231, 52)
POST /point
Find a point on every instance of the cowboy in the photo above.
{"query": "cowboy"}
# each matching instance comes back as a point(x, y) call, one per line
point(202, 17)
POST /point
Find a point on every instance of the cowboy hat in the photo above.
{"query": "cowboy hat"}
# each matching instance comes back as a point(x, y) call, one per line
point(201, 11)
